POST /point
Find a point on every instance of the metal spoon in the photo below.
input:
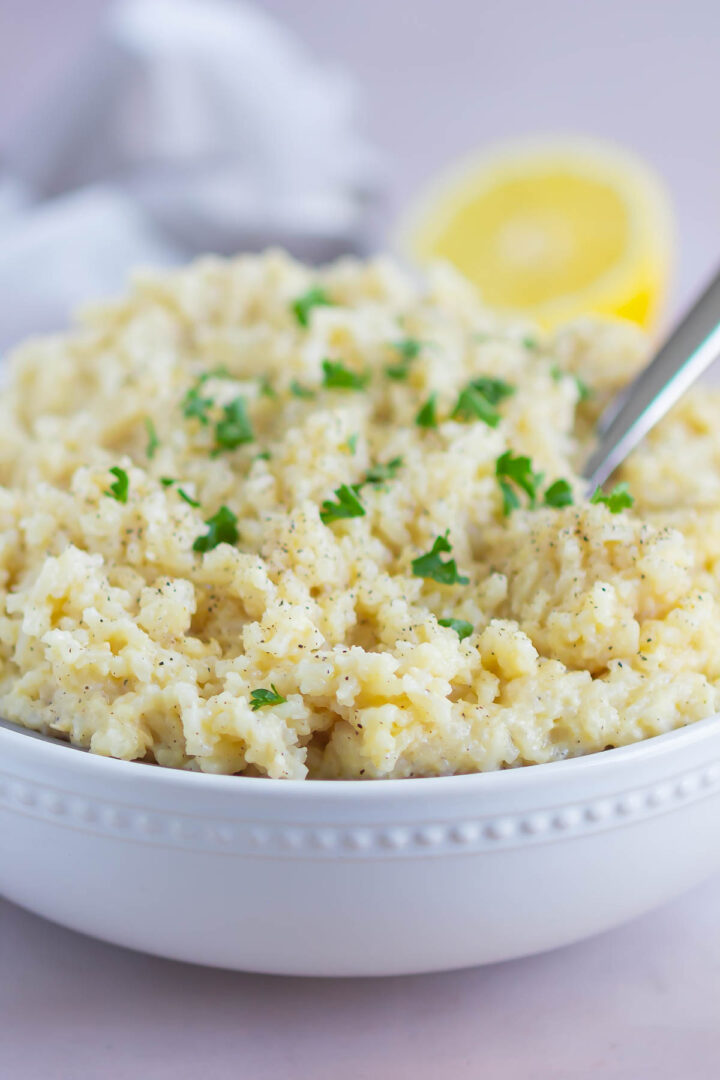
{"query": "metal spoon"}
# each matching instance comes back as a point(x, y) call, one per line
point(689, 351)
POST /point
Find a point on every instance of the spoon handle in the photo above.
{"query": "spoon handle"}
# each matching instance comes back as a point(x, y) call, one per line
point(689, 350)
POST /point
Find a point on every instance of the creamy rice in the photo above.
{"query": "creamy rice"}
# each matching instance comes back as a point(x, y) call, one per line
point(310, 644)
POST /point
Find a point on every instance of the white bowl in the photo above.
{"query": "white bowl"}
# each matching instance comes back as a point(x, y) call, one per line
point(356, 878)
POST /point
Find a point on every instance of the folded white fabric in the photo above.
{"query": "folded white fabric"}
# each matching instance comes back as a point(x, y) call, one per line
point(68, 252)
point(209, 128)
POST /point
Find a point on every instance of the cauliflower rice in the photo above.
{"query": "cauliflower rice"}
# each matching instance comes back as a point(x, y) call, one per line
point(178, 582)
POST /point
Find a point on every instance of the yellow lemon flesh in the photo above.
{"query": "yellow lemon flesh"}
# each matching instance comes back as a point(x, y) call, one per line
point(553, 230)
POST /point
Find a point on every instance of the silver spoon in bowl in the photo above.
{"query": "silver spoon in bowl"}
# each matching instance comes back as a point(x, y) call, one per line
point(691, 348)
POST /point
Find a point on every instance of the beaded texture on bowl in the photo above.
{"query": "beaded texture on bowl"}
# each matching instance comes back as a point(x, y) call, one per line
point(484, 833)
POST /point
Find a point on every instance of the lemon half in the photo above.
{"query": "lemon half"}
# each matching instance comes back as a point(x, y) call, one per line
point(552, 229)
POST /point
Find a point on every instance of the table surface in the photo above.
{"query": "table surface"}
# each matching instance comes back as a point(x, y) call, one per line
point(635, 1003)
point(642, 1001)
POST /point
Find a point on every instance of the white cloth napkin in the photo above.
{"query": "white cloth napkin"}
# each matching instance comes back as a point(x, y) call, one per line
point(70, 251)
point(189, 126)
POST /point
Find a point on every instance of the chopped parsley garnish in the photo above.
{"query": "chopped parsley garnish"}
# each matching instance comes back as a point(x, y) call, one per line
point(378, 474)
point(234, 429)
point(188, 498)
point(559, 494)
point(195, 405)
point(510, 499)
point(264, 456)
point(352, 443)
point(337, 377)
point(409, 350)
point(462, 627)
point(119, 489)
point(261, 699)
point(266, 388)
point(315, 297)
point(616, 500)
point(348, 505)
point(495, 390)
point(431, 565)
point(297, 390)
point(167, 481)
point(153, 442)
point(530, 342)
point(512, 472)
point(222, 529)
point(427, 415)
point(584, 391)
point(473, 406)
point(478, 399)
point(515, 474)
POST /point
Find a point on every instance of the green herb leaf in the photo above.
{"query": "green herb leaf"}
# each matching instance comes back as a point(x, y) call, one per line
point(584, 391)
point(348, 505)
point(494, 390)
point(409, 348)
point(559, 494)
point(510, 498)
point(478, 399)
point(264, 456)
point(511, 469)
point(119, 489)
point(153, 442)
point(315, 297)
point(167, 481)
point(188, 499)
point(530, 342)
point(352, 443)
point(222, 529)
point(300, 391)
point(474, 406)
point(261, 699)
point(461, 627)
point(266, 388)
point(398, 372)
point(616, 500)
point(337, 377)
point(431, 565)
point(378, 474)
point(234, 429)
point(427, 416)
point(194, 405)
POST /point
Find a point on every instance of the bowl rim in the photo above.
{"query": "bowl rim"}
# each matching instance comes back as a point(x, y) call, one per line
point(55, 756)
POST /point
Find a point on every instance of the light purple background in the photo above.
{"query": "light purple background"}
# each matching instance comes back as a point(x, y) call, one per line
point(440, 77)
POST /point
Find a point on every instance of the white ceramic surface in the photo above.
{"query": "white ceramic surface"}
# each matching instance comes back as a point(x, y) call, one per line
point(348, 878)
